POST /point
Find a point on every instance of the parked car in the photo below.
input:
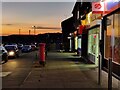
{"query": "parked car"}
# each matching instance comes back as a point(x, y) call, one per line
point(12, 44)
point(12, 50)
point(3, 54)
point(20, 46)
point(33, 47)
point(26, 48)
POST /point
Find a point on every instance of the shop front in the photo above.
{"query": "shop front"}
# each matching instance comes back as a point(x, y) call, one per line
point(93, 44)
point(112, 41)
point(80, 39)
point(109, 35)
point(93, 22)
point(67, 28)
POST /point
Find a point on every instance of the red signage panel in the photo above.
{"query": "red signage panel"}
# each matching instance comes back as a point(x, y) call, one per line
point(81, 28)
point(98, 7)
point(105, 7)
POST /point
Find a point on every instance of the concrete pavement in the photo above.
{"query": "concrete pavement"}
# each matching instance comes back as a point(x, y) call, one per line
point(16, 70)
point(64, 70)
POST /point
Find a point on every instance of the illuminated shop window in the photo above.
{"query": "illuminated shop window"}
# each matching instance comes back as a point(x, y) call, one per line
point(93, 40)
point(113, 28)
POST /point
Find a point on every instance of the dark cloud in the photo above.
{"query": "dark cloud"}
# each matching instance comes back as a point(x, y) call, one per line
point(40, 27)
point(8, 24)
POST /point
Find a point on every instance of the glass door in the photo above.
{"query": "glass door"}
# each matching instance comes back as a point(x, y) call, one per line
point(93, 45)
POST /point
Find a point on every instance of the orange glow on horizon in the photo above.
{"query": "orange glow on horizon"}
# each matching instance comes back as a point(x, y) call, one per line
point(12, 29)
point(9, 28)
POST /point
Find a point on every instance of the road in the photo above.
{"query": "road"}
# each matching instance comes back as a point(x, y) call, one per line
point(15, 71)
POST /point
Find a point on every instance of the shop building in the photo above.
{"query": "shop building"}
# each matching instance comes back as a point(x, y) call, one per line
point(79, 13)
point(68, 34)
point(102, 31)
point(112, 36)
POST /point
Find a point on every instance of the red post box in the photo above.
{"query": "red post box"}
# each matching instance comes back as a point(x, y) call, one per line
point(42, 53)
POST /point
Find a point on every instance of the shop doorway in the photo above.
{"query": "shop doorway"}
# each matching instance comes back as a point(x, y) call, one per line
point(93, 45)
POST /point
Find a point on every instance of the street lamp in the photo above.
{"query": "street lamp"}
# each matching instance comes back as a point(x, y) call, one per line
point(34, 29)
point(34, 32)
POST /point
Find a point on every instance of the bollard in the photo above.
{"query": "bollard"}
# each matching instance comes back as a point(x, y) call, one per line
point(36, 56)
point(110, 74)
point(100, 70)
point(42, 54)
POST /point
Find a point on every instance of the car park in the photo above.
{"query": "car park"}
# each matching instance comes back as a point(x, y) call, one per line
point(12, 50)
point(26, 48)
point(3, 54)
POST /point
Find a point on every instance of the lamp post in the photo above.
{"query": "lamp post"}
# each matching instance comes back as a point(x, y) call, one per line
point(19, 31)
point(34, 29)
point(34, 32)
point(29, 32)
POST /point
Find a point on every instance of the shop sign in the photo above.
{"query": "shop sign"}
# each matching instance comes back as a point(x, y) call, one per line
point(111, 5)
point(80, 30)
point(96, 16)
point(98, 7)
point(105, 7)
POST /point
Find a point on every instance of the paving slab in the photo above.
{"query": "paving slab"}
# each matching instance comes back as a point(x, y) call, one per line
point(61, 71)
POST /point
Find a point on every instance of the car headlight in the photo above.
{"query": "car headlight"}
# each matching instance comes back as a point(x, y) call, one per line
point(11, 53)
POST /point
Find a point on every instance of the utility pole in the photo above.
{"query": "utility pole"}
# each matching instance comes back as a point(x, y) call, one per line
point(29, 32)
point(34, 29)
point(19, 31)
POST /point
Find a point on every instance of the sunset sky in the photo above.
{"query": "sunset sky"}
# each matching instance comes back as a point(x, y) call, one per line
point(46, 16)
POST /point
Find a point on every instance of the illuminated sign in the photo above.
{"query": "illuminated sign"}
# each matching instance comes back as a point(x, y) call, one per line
point(97, 7)
point(105, 7)
point(81, 28)
point(109, 4)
